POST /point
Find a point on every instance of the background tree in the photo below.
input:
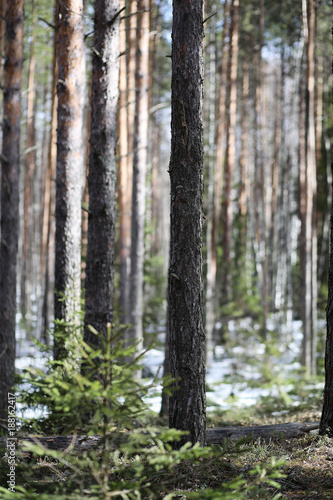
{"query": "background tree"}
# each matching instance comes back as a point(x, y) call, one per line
point(10, 162)
point(140, 144)
point(70, 163)
point(102, 169)
point(185, 294)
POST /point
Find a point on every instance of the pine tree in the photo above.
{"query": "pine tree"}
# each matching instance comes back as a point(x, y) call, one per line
point(102, 169)
point(186, 327)
point(10, 159)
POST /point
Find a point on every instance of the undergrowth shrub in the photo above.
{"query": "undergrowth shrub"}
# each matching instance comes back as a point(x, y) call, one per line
point(131, 459)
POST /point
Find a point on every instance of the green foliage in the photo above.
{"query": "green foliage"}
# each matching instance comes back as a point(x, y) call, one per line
point(100, 397)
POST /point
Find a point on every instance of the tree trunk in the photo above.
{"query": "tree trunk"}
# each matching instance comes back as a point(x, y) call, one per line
point(220, 146)
point(102, 169)
point(140, 144)
point(260, 197)
point(310, 229)
point(10, 197)
point(230, 153)
point(48, 228)
point(70, 165)
point(312, 174)
point(210, 89)
point(29, 165)
point(326, 423)
point(186, 328)
point(124, 184)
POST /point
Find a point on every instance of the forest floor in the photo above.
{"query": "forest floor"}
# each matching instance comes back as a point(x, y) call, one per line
point(308, 464)
point(306, 467)
point(257, 384)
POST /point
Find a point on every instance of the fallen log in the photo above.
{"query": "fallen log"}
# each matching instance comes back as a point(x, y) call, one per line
point(215, 435)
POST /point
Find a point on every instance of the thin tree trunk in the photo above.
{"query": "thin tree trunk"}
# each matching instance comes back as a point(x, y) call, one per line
point(244, 189)
point(30, 165)
point(102, 170)
point(310, 230)
point(124, 184)
point(3, 6)
point(312, 174)
point(70, 165)
point(260, 198)
point(140, 144)
point(230, 153)
point(10, 197)
point(220, 144)
point(326, 423)
point(211, 305)
point(48, 230)
point(186, 327)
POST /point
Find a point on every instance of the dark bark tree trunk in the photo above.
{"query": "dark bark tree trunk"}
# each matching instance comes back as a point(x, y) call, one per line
point(70, 164)
point(326, 423)
point(186, 327)
point(102, 169)
point(10, 196)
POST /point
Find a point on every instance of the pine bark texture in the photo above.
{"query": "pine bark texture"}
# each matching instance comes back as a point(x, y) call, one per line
point(10, 161)
point(70, 163)
point(186, 327)
point(102, 169)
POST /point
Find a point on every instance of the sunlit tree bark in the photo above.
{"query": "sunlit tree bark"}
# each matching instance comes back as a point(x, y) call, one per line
point(70, 164)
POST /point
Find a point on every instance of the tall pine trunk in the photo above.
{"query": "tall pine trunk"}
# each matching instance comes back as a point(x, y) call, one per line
point(10, 160)
point(186, 328)
point(70, 164)
point(310, 226)
point(102, 169)
point(48, 224)
point(140, 144)
point(30, 166)
point(124, 183)
point(230, 153)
